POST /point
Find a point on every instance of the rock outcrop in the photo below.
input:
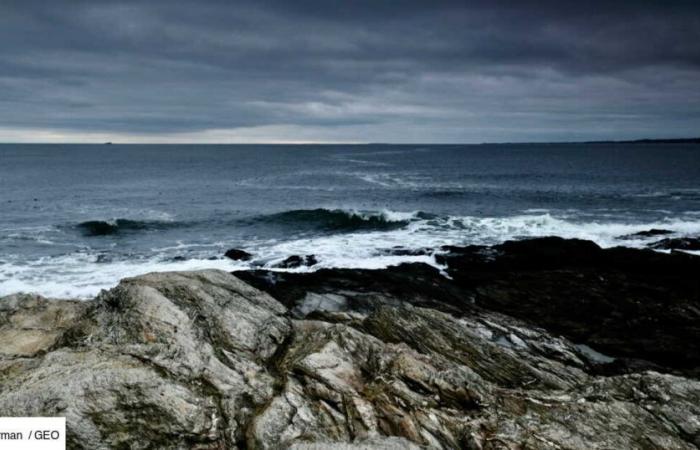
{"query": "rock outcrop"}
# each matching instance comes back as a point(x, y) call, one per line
point(238, 254)
point(295, 261)
point(684, 243)
point(647, 233)
point(205, 360)
point(640, 306)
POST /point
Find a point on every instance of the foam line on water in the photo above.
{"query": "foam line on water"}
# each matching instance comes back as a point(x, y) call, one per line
point(81, 275)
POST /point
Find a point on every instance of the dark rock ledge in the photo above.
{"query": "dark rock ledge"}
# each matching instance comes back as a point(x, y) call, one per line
point(537, 344)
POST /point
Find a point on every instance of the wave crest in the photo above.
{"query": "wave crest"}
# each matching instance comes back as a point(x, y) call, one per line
point(339, 220)
point(118, 226)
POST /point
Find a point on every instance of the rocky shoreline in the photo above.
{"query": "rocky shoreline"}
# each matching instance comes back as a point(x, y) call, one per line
point(544, 343)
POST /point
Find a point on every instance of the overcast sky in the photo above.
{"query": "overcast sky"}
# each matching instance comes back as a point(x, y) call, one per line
point(351, 71)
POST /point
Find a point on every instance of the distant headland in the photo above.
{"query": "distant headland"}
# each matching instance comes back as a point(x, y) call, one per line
point(650, 141)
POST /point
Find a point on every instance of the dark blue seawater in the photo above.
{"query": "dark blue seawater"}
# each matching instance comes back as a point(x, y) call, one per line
point(77, 218)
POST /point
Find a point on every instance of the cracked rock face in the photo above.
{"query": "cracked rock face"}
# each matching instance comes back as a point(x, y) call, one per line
point(170, 360)
point(204, 360)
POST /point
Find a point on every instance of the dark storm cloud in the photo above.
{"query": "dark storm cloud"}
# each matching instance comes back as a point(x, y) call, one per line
point(355, 70)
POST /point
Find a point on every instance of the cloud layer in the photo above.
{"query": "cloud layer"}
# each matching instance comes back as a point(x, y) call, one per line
point(389, 71)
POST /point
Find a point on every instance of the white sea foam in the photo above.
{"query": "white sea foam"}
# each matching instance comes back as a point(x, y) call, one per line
point(362, 162)
point(378, 179)
point(395, 216)
point(79, 275)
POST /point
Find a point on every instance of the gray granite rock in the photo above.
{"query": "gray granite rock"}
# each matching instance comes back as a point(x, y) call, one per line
point(203, 360)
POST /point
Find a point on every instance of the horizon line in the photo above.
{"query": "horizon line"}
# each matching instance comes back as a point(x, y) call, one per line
point(691, 140)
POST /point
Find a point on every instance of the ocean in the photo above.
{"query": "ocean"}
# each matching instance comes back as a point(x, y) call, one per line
point(74, 219)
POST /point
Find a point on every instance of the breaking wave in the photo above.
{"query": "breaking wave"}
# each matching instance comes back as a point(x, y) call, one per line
point(118, 226)
point(337, 238)
point(339, 220)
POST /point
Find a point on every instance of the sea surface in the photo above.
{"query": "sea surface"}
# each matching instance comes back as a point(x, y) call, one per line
point(74, 219)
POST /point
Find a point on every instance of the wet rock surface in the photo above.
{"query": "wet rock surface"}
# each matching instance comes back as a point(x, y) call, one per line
point(295, 261)
point(647, 233)
point(238, 254)
point(387, 359)
point(360, 289)
point(401, 251)
point(640, 306)
point(685, 243)
point(635, 304)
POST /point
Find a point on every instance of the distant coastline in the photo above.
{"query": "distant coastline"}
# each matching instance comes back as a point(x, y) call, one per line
point(695, 140)
point(650, 141)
